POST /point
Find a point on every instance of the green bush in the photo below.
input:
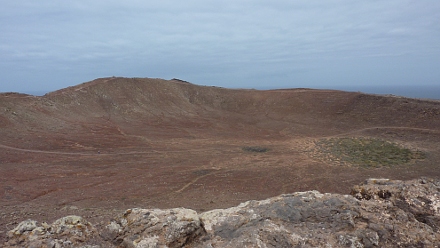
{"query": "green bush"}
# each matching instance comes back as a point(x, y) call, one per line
point(366, 151)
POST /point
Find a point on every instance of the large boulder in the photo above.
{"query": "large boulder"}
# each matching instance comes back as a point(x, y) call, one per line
point(311, 219)
point(420, 199)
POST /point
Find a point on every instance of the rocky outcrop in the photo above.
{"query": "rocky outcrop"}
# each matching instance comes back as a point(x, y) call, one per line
point(378, 213)
point(155, 228)
point(69, 231)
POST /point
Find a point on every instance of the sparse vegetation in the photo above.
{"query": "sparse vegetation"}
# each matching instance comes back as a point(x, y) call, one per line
point(366, 152)
point(255, 149)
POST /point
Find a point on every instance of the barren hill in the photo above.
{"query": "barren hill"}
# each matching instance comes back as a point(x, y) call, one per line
point(115, 143)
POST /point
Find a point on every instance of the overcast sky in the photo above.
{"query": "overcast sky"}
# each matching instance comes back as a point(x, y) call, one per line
point(51, 44)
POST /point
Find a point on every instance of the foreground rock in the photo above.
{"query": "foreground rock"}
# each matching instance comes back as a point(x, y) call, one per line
point(155, 228)
point(379, 213)
point(69, 231)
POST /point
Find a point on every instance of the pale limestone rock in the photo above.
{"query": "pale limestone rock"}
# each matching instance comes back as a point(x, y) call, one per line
point(156, 228)
point(379, 213)
point(69, 231)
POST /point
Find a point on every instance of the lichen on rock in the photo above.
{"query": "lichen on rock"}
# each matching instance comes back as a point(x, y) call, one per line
point(69, 231)
point(154, 227)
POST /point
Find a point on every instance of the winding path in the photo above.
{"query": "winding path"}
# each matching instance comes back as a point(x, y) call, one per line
point(74, 153)
point(155, 151)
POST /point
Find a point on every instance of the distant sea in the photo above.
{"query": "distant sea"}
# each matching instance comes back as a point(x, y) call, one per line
point(37, 93)
point(34, 93)
point(422, 92)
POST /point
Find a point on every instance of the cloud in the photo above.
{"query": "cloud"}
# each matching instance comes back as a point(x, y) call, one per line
point(203, 41)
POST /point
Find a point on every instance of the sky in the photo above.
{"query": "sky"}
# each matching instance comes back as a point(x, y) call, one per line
point(334, 44)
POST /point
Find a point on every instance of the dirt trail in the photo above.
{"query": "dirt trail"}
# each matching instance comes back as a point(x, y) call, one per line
point(46, 152)
point(96, 153)
point(192, 182)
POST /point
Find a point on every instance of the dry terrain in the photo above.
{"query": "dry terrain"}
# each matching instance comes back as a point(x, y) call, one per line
point(101, 147)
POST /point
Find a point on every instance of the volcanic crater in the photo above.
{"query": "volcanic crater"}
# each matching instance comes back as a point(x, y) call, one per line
point(101, 147)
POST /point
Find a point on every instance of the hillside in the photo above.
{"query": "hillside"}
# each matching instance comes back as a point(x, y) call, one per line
point(118, 106)
point(115, 143)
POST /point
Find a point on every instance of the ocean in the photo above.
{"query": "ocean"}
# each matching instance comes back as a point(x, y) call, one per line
point(421, 92)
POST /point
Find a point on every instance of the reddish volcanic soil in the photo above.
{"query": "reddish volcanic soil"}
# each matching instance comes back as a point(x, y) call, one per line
point(101, 147)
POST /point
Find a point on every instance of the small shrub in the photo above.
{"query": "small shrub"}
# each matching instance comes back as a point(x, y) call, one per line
point(255, 149)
